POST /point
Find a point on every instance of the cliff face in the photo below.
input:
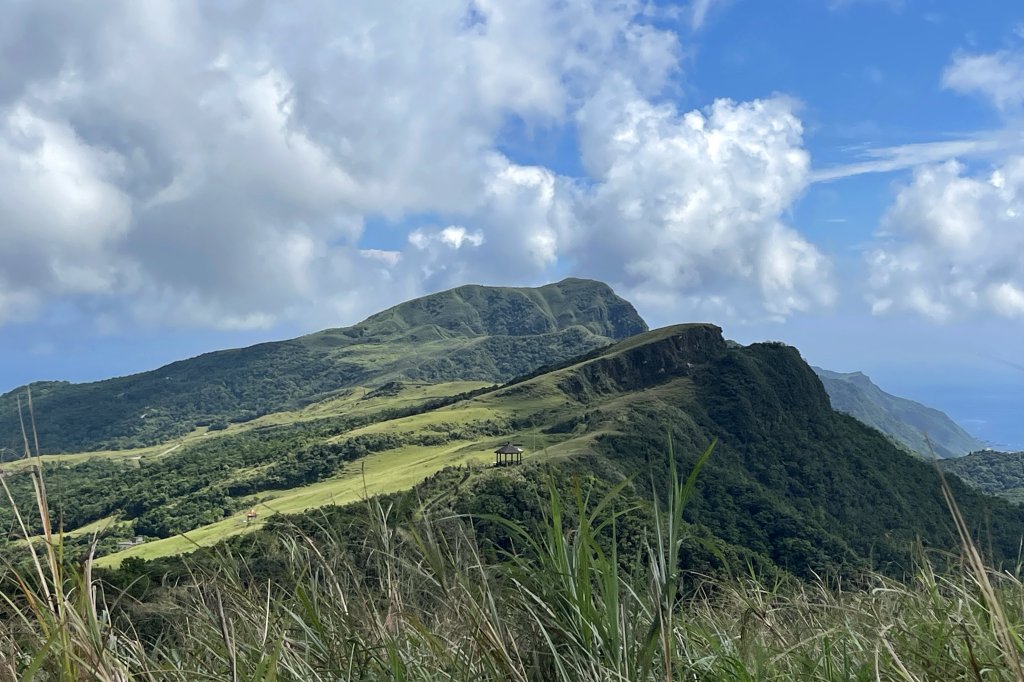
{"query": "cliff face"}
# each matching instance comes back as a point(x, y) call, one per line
point(645, 361)
point(790, 479)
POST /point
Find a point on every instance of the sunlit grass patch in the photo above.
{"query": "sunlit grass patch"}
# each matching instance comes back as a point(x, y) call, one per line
point(375, 474)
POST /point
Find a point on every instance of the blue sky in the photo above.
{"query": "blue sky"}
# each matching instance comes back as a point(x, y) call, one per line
point(845, 176)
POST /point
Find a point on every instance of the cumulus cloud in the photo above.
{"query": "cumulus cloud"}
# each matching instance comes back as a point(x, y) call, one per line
point(689, 208)
point(952, 243)
point(59, 209)
point(215, 163)
point(955, 244)
point(191, 163)
point(684, 212)
point(521, 220)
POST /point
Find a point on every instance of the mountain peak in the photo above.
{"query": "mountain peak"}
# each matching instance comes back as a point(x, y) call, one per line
point(470, 333)
point(476, 310)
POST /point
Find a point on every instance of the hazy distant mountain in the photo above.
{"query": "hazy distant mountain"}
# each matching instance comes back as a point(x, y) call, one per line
point(908, 422)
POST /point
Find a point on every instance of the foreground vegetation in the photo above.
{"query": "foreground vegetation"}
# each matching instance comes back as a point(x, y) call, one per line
point(416, 594)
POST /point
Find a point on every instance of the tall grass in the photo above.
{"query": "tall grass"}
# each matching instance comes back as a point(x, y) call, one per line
point(417, 601)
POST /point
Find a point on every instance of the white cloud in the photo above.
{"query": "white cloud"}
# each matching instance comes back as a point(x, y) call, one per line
point(952, 243)
point(1008, 299)
point(699, 10)
point(390, 258)
point(453, 237)
point(189, 163)
point(689, 208)
point(902, 157)
point(955, 244)
point(60, 210)
point(224, 157)
point(683, 212)
point(531, 211)
point(998, 76)
point(16, 304)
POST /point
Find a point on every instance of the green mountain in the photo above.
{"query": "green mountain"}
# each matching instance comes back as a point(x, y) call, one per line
point(468, 333)
point(792, 484)
point(907, 422)
point(992, 472)
point(792, 480)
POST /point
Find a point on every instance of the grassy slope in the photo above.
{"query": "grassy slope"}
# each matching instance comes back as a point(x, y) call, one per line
point(791, 481)
point(538, 399)
point(468, 333)
point(355, 402)
point(908, 422)
point(389, 471)
point(375, 474)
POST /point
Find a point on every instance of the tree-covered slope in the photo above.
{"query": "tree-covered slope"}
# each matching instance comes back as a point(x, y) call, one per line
point(468, 333)
point(792, 482)
point(992, 472)
point(906, 421)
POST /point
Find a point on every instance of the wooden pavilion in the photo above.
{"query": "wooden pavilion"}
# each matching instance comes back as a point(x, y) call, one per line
point(507, 455)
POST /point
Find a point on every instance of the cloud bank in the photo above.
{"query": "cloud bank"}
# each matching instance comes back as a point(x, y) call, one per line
point(191, 163)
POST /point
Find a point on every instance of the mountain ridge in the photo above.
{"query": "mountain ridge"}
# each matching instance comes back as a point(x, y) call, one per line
point(805, 488)
point(543, 324)
point(918, 427)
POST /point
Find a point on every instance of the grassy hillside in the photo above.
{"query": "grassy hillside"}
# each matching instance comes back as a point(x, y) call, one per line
point(807, 546)
point(793, 485)
point(469, 333)
point(397, 588)
point(992, 472)
point(907, 422)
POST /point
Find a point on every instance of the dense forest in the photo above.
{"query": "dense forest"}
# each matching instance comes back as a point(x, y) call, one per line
point(992, 472)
